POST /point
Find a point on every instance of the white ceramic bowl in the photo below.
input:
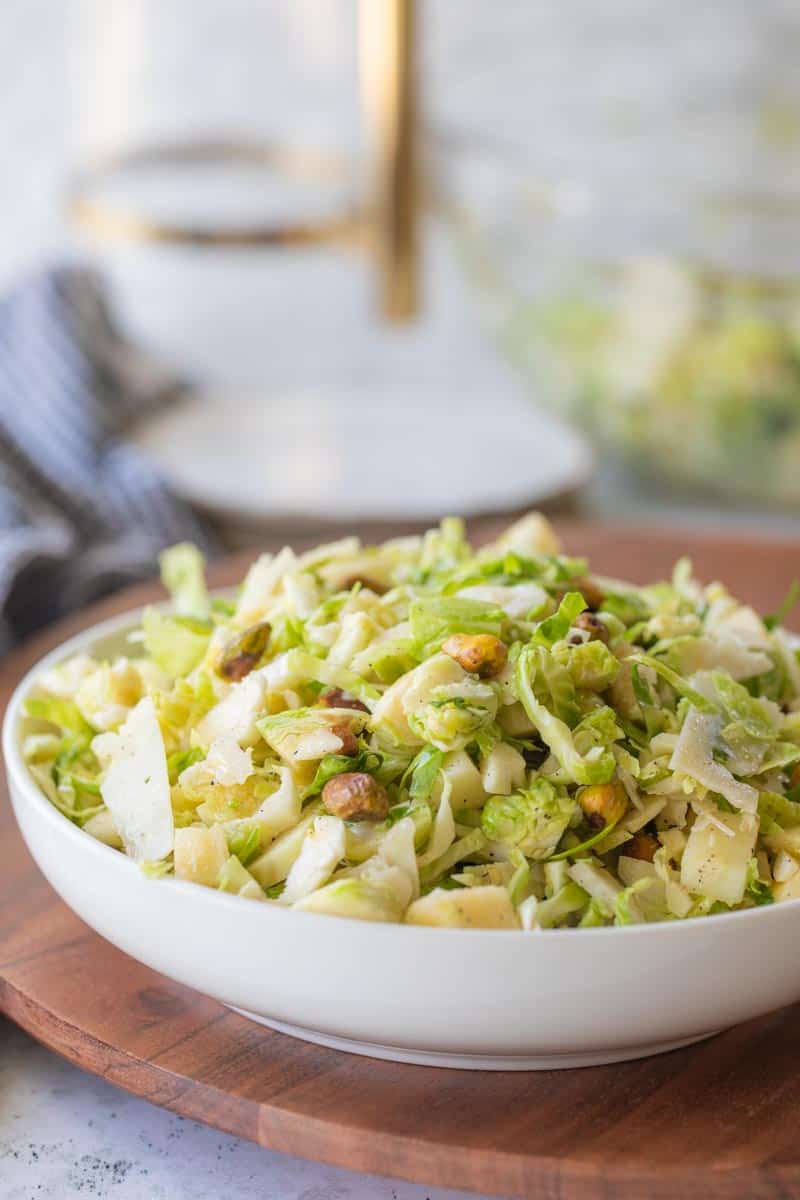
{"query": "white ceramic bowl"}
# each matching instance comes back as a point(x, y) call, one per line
point(449, 997)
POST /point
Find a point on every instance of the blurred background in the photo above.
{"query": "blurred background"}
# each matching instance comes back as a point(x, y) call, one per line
point(294, 264)
point(271, 269)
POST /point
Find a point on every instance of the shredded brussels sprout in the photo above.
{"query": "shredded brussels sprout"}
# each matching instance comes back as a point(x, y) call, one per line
point(421, 731)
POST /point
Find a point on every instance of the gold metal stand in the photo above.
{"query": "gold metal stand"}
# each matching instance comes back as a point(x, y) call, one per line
point(385, 224)
point(387, 30)
point(107, 219)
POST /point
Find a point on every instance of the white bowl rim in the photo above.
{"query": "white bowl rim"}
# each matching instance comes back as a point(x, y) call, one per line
point(17, 770)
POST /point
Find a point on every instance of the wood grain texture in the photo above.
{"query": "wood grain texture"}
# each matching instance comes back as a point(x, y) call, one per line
point(717, 1120)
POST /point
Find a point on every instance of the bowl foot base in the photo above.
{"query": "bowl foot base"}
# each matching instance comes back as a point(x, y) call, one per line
point(475, 1062)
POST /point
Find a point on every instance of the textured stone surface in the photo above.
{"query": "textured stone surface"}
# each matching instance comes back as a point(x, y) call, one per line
point(65, 1135)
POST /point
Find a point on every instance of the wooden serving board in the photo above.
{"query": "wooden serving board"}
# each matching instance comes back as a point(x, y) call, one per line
point(717, 1120)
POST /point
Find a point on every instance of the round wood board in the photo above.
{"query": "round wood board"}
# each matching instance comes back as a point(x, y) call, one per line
point(717, 1120)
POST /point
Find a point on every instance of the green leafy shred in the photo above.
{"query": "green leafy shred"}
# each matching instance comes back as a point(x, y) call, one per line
point(351, 767)
point(556, 627)
point(789, 602)
point(434, 618)
point(183, 575)
point(244, 841)
point(423, 772)
point(757, 889)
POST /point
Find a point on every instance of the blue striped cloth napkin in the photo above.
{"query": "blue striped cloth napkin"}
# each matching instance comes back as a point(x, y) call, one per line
point(82, 511)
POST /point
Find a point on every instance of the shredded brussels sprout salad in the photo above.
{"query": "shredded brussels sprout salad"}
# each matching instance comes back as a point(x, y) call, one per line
point(423, 732)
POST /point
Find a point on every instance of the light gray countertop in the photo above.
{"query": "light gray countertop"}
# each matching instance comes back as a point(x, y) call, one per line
point(66, 1135)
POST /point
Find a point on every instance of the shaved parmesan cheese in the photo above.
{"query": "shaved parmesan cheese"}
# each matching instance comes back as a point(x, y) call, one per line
point(742, 623)
point(261, 583)
point(323, 850)
point(724, 653)
point(226, 763)
point(516, 602)
point(707, 818)
point(693, 756)
point(531, 535)
point(135, 784)
point(235, 715)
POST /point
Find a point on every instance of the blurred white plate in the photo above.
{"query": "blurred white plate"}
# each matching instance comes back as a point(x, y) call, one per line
point(411, 455)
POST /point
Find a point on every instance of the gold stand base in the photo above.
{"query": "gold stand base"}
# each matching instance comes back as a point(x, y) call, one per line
point(107, 219)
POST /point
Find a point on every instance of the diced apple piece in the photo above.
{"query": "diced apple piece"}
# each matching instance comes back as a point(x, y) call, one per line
point(358, 898)
point(714, 864)
point(200, 854)
point(320, 855)
point(467, 908)
point(789, 890)
point(276, 862)
point(466, 785)
point(503, 770)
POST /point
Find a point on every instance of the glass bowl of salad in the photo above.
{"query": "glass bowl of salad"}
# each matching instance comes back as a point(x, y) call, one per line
point(665, 322)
